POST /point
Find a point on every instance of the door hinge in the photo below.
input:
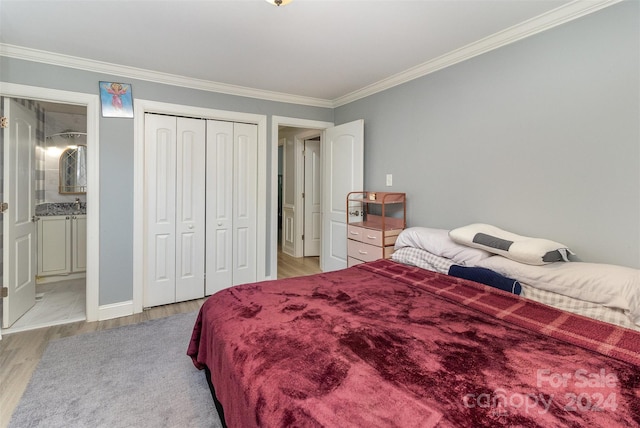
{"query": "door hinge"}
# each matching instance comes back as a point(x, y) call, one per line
point(302, 195)
point(4, 122)
point(3, 207)
point(303, 237)
point(5, 292)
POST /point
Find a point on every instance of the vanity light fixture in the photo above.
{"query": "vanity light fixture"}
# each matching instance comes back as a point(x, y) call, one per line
point(279, 2)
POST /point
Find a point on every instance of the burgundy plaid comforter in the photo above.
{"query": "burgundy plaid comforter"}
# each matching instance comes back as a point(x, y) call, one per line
point(384, 344)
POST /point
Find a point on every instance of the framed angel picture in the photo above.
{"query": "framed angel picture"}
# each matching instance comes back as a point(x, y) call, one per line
point(116, 99)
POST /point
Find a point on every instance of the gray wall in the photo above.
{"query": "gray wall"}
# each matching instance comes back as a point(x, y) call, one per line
point(116, 154)
point(540, 138)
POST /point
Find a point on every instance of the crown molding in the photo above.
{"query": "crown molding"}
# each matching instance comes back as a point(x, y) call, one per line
point(51, 58)
point(546, 21)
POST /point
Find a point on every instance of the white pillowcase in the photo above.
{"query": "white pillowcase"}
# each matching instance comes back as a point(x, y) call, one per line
point(438, 242)
point(533, 251)
point(609, 285)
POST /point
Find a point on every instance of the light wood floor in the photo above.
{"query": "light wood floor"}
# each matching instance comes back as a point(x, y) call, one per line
point(21, 352)
point(290, 266)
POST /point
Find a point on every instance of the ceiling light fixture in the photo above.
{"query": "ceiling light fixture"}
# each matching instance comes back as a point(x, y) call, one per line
point(279, 2)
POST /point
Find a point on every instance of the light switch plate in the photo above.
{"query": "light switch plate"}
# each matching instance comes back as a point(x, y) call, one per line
point(389, 180)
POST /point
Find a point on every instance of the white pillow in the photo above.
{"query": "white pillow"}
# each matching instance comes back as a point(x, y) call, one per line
point(609, 285)
point(438, 242)
point(533, 251)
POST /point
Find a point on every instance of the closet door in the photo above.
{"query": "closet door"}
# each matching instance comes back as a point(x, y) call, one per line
point(219, 265)
point(231, 204)
point(174, 209)
point(190, 206)
point(160, 209)
point(245, 195)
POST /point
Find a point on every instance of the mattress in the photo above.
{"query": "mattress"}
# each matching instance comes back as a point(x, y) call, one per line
point(588, 309)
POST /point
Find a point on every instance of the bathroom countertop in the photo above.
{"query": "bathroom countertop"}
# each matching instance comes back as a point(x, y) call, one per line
point(60, 208)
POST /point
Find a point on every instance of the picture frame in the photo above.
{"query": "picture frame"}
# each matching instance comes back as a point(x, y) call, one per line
point(116, 99)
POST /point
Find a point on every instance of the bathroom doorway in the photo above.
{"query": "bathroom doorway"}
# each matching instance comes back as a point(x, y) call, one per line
point(60, 184)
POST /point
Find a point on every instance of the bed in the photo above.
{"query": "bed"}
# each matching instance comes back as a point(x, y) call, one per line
point(386, 344)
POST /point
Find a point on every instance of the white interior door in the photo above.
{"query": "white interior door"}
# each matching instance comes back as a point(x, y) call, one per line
point(231, 201)
point(175, 222)
point(19, 255)
point(245, 196)
point(312, 198)
point(160, 209)
point(190, 208)
point(219, 212)
point(289, 230)
point(343, 170)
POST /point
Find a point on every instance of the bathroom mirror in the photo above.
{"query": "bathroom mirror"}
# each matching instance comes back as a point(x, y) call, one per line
point(73, 170)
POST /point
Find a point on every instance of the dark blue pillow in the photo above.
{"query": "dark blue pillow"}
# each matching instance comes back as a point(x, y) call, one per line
point(486, 276)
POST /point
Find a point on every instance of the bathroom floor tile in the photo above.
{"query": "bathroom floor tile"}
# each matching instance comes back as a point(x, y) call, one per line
point(60, 302)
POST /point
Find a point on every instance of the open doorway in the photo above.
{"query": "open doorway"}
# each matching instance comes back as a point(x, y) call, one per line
point(58, 213)
point(299, 201)
point(299, 197)
point(342, 160)
point(290, 265)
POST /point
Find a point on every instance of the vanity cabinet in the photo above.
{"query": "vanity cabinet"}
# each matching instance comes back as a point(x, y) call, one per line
point(374, 221)
point(78, 243)
point(62, 245)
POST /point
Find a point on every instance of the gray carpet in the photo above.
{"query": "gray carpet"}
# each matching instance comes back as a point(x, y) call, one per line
point(133, 376)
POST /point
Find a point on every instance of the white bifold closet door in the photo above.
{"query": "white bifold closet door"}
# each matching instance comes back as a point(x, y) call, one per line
point(231, 204)
point(174, 209)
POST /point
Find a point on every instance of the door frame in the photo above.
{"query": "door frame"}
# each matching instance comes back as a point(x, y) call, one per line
point(141, 107)
point(92, 104)
point(277, 121)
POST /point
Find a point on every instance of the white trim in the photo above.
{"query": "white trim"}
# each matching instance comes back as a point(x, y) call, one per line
point(92, 103)
point(35, 55)
point(115, 310)
point(277, 121)
point(546, 21)
point(146, 106)
point(298, 190)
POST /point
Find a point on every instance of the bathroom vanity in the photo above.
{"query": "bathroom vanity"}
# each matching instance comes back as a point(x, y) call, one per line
point(62, 225)
point(62, 245)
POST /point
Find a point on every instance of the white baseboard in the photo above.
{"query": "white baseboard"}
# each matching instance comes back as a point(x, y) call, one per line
point(115, 310)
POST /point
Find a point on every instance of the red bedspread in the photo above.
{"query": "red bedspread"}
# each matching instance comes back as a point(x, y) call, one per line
point(383, 344)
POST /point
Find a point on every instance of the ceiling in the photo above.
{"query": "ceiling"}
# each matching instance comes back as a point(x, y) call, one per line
point(315, 49)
